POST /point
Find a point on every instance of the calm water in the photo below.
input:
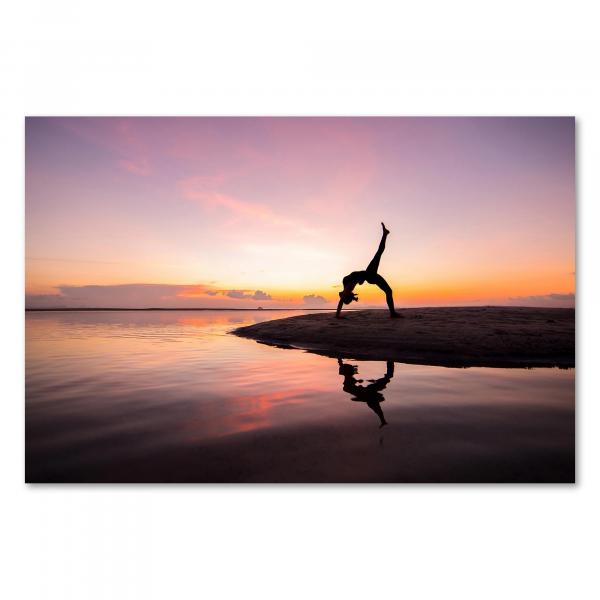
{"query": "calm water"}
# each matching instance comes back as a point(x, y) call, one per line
point(172, 396)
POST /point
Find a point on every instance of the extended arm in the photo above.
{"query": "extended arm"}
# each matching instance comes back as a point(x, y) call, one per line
point(339, 308)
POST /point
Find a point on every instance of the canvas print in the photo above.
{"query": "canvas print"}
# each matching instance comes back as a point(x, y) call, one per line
point(300, 300)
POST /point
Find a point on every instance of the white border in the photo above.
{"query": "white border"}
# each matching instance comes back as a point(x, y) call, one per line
point(426, 58)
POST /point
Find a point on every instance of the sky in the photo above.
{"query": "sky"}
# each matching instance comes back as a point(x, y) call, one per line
point(244, 212)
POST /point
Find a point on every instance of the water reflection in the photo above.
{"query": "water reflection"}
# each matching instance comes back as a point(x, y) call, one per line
point(171, 396)
point(371, 393)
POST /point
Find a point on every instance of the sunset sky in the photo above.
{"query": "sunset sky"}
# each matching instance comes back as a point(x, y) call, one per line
point(273, 212)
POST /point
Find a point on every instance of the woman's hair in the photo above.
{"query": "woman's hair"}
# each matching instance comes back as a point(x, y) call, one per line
point(348, 297)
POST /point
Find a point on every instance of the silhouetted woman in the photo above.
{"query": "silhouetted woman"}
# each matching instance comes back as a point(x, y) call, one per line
point(370, 275)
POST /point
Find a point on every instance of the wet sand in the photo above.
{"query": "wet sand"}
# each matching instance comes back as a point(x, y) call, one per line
point(491, 336)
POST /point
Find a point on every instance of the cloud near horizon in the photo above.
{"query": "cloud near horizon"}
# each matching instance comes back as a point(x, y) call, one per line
point(314, 299)
point(552, 299)
point(243, 295)
point(142, 295)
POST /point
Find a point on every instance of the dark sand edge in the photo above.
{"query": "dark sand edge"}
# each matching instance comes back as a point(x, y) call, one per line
point(508, 337)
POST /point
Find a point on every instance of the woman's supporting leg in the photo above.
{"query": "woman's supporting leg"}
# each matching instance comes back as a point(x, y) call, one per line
point(382, 284)
point(390, 370)
point(374, 264)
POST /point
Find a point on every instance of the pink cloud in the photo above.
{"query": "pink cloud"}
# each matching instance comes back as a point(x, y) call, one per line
point(339, 154)
point(117, 136)
point(139, 167)
point(201, 189)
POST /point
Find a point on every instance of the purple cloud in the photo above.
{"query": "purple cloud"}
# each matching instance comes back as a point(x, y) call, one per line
point(314, 299)
point(140, 295)
point(558, 300)
point(246, 295)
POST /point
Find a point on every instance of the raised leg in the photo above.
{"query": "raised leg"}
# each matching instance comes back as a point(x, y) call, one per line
point(374, 264)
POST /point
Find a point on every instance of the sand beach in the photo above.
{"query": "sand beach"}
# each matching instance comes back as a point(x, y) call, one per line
point(488, 336)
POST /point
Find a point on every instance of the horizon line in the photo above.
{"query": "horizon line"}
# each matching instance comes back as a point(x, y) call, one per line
point(113, 308)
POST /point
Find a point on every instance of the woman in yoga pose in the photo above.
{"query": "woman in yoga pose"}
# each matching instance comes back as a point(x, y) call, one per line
point(370, 275)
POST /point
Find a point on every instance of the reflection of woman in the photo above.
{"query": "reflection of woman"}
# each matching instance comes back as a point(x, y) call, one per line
point(370, 275)
point(368, 393)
